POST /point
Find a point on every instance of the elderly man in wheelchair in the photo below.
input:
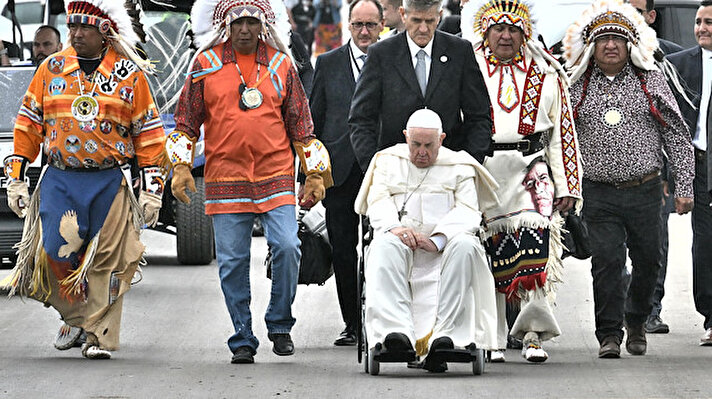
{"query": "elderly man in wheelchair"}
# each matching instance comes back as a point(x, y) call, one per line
point(429, 291)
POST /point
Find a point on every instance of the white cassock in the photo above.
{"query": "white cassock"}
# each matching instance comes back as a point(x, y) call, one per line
point(421, 294)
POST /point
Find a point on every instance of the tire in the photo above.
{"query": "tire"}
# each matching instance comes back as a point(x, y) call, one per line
point(478, 365)
point(374, 366)
point(195, 243)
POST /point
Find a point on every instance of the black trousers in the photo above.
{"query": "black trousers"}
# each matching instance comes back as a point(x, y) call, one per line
point(620, 221)
point(702, 241)
point(342, 225)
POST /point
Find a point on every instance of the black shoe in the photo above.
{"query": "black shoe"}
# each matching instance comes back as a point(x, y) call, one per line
point(282, 344)
point(610, 348)
point(655, 325)
point(243, 355)
point(635, 342)
point(397, 342)
point(514, 343)
point(347, 338)
point(434, 362)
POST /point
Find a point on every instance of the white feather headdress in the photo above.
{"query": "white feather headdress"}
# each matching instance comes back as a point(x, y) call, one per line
point(113, 21)
point(609, 17)
point(210, 20)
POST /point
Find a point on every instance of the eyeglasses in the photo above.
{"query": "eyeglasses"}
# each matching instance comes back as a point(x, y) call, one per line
point(360, 25)
point(609, 37)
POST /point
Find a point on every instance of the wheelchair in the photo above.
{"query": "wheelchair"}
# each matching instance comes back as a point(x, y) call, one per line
point(372, 357)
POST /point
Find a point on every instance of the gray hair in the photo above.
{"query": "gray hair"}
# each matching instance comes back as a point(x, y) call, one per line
point(421, 5)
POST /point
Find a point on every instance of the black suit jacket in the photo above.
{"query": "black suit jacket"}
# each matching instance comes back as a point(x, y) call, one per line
point(330, 102)
point(387, 93)
point(689, 66)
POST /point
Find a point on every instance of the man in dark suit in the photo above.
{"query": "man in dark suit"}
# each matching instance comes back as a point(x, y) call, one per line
point(334, 82)
point(420, 68)
point(654, 324)
point(695, 68)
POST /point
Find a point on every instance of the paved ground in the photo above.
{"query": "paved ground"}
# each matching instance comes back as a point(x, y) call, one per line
point(175, 327)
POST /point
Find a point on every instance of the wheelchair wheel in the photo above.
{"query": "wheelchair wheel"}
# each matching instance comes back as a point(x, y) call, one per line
point(478, 365)
point(374, 366)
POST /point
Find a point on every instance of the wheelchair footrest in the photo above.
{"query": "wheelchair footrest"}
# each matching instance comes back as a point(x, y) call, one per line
point(456, 355)
point(384, 356)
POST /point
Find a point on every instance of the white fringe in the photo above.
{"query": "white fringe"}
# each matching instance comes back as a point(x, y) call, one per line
point(28, 248)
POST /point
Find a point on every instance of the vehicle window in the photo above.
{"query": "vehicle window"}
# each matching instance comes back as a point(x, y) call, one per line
point(168, 45)
point(676, 23)
point(13, 84)
point(27, 13)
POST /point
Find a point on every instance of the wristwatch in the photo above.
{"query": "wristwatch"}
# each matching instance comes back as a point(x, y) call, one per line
point(3, 52)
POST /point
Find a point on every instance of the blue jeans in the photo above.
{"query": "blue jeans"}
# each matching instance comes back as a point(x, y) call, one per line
point(620, 221)
point(233, 237)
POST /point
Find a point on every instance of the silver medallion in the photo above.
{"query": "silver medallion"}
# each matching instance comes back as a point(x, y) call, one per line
point(85, 108)
point(612, 117)
point(252, 98)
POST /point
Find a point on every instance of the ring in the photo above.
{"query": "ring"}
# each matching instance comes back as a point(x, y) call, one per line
point(405, 235)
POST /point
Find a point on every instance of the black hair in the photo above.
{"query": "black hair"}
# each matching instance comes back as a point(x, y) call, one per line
point(53, 29)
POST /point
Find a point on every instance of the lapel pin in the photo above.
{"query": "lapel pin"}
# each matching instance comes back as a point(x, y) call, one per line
point(443, 58)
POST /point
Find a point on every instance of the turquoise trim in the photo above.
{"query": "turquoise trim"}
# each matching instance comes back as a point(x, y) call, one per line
point(242, 200)
point(214, 66)
point(272, 68)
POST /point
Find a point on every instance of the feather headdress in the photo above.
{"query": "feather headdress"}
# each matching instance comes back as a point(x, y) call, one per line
point(211, 20)
point(479, 15)
point(609, 17)
point(114, 23)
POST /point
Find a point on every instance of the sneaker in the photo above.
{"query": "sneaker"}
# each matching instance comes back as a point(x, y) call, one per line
point(534, 353)
point(496, 357)
point(655, 325)
point(532, 350)
point(635, 342)
point(243, 355)
point(69, 337)
point(94, 352)
point(346, 338)
point(706, 339)
point(610, 348)
point(282, 344)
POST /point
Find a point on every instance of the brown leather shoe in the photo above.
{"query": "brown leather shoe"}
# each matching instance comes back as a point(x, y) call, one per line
point(706, 339)
point(610, 348)
point(635, 342)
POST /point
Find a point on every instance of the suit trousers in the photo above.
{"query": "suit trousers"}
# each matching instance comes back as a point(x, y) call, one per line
point(342, 226)
point(659, 293)
point(701, 236)
point(621, 220)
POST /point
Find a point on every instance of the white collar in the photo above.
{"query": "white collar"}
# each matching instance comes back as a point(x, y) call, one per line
point(414, 48)
point(355, 50)
point(706, 54)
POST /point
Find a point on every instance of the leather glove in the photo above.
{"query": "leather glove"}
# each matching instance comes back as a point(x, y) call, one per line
point(18, 197)
point(151, 206)
point(182, 180)
point(313, 191)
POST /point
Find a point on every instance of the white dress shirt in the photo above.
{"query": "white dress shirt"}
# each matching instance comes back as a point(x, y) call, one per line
point(700, 139)
point(414, 48)
point(356, 61)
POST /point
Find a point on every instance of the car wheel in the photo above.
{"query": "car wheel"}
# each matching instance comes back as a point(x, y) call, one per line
point(194, 229)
